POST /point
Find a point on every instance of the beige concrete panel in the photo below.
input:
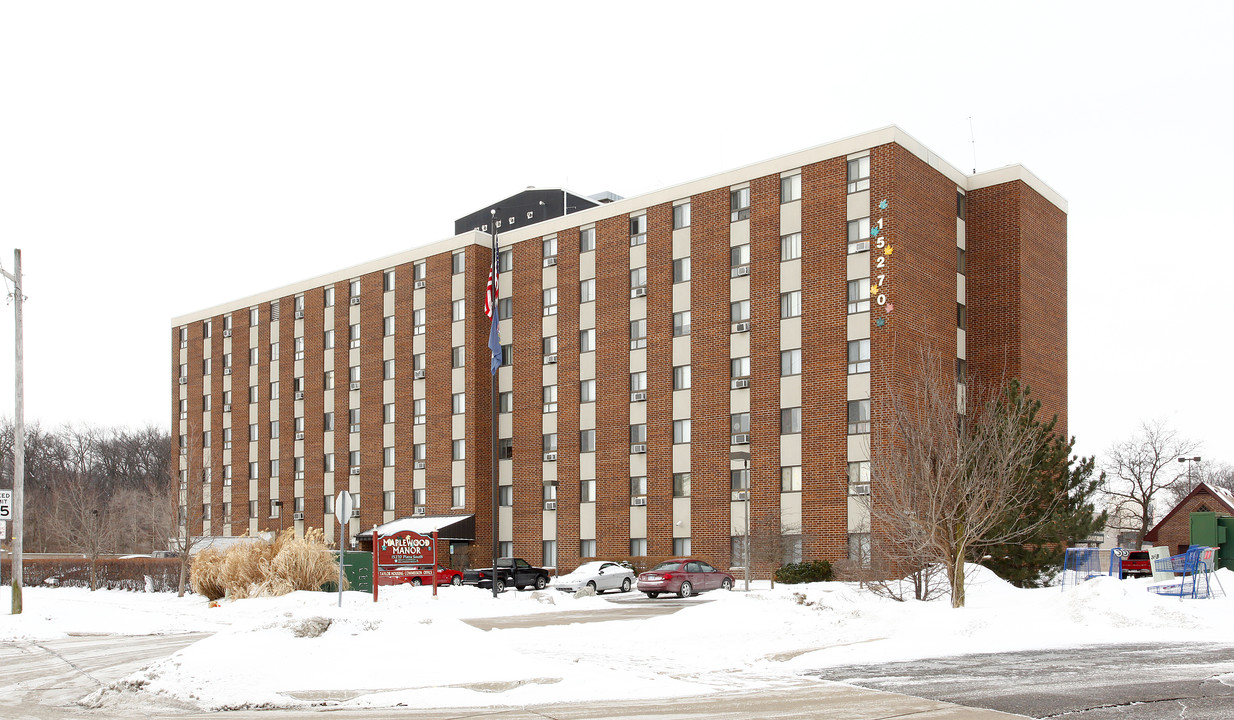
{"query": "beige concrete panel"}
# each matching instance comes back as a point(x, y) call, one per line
point(739, 401)
point(387, 347)
point(681, 297)
point(458, 333)
point(387, 436)
point(681, 516)
point(638, 256)
point(587, 315)
point(790, 391)
point(737, 519)
point(505, 425)
point(587, 466)
point(458, 473)
point(638, 413)
point(328, 363)
point(858, 448)
point(587, 366)
point(586, 521)
point(587, 416)
point(387, 478)
point(418, 432)
point(790, 275)
point(790, 513)
point(353, 439)
point(387, 391)
point(960, 236)
point(638, 360)
point(387, 303)
point(681, 405)
point(859, 386)
point(859, 265)
point(458, 428)
point(253, 330)
point(548, 374)
point(505, 379)
point(418, 343)
point(638, 465)
point(858, 205)
point(960, 289)
point(638, 522)
point(739, 345)
point(548, 326)
point(548, 423)
point(548, 277)
point(790, 332)
point(739, 232)
point(790, 449)
point(681, 243)
point(505, 472)
point(790, 217)
point(586, 265)
point(739, 288)
point(548, 472)
point(417, 300)
point(681, 458)
point(858, 326)
point(505, 523)
point(458, 286)
point(858, 514)
point(638, 308)
point(549, 524)
point(681, 350)
point(961, 343)
point(858, 154)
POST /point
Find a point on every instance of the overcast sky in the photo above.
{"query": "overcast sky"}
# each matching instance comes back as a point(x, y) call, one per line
point(157, 158)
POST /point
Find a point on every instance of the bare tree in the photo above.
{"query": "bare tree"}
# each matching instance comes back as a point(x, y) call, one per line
point(81, 522)
point(184, 506)
point(1142, 470)
point(945, 482)
point(1212, 474)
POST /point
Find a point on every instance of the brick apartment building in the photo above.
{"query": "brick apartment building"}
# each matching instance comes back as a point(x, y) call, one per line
point(674, 361)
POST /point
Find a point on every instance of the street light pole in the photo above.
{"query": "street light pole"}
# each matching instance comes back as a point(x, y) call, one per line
point(1189, 460)
point(19, 430)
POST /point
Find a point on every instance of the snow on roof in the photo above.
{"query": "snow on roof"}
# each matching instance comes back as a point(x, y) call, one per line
point(421, 525)
point(1225, 495)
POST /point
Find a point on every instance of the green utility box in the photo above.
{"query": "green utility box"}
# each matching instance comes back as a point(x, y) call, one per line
point(1211, 530)
point(358, 570)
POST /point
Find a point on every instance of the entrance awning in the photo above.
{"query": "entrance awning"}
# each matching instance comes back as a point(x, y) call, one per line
point(456, 528)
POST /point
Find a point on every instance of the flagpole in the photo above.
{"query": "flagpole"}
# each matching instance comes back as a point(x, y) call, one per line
point(495, 348)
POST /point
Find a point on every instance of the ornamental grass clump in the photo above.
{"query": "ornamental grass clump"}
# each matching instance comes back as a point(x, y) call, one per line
point(246, 568)
point(304, 563)
point(205, 574)
point(266, 568)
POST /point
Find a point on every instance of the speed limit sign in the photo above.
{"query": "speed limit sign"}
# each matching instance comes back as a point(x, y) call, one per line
point(6, 504)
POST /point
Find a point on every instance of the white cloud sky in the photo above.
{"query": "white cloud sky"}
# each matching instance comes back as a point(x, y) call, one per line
point(157, 158)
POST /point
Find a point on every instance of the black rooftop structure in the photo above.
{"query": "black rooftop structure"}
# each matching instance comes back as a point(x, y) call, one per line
point(531, 206)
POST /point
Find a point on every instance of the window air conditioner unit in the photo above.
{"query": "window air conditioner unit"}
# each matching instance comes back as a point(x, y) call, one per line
point(550, 261)
point(742, 327)
point(638, 292)
point(355, 512)
point(550, 505)
point(299, 395)
point(226, 333)
point(741, 383)
point(299, 314)
point(638, 396)
point(550, 457)
point(859, 490)
point(741, 271)
point(638, 449)
point(419, 510)
point(741, 496)
point(227, 407)
point(418, 375)
point(355, 471)
point(299, 436)
point(226, 371)
point(640, 501)
point(420, 284)
point(355, 300)
point(297, 516)
point(419, 464)
point(184, 381)
point(741, 439)
point(550, 359)
point(355, 386)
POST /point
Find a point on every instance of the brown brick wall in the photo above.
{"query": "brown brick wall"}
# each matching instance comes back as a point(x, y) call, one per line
point(659, 303)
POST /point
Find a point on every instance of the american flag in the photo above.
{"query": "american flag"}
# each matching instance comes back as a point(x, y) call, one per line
point(490, 292)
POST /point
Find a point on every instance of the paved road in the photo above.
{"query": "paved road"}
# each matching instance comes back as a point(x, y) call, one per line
point(1130, 682)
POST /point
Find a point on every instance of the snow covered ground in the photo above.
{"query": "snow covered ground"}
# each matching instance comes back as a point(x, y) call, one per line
point(411, 649)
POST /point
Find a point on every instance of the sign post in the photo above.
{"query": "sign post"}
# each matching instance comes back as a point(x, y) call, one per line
point(404, 557)
point(342, 511)
point(376, 541)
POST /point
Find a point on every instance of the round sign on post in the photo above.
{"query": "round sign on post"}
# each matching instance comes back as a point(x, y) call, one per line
point(342, 507)
point(342, 511)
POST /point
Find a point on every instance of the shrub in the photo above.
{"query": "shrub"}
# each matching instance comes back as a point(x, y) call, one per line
point(246, 569)
point(111, 573)
point(302, 564)
point(804, 572)
point(205, 574)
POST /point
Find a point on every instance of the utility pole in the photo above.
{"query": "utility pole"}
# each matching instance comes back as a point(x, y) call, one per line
point(19, 433)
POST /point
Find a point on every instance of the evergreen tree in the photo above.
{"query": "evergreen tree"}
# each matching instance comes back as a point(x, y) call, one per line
point(1064, 487)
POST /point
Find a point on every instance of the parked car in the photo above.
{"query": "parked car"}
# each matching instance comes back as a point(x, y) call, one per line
point(1137, 564)
point(684, 576)
point(600, 576)
point(510, 571)
point(445, 576)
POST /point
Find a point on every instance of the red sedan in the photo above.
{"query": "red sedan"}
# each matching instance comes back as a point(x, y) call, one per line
point(684, 576)
point(418, 576)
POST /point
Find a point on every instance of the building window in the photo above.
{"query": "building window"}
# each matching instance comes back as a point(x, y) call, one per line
point(549, 442)
point(458, 310)
point(458, 356)
point(458, 450)
point(638, 381)
point(418, 497)
point(790, 188)
point(205, 366)
point(586, 548)
point(458, 403)
point(638, 434)
point(739, 311)
point(638, 334)
point(505, 496)
point(638, 547)
point(327, 296)
point(681, 377)
point(586, 441)
point(739, 202)
point(681, 216)
point(505, 402)
point(681, 323)
point(587, 240)
point(790, 304)
point(505, 448)
point(387, 457)
point(739, 480)
point(790, 479)
point(858, 475)
point(587, 491)
point(587, 340)
point(353, 458)
point(417, 322)
point(790, 247)
point(328, 339)
point(353, 334)
point(353, 374)
point(681, 432)
point(253, 472)
point(549, 493)
point(505, 308)
point(328, 462)
point(790, 549)
point(507, 355)
point(790, 421)
point(419, 451)
point(587, 391)
point(959, 261)
point(387, 281)
point(548, 345)
point(858, 356)
point(418, 271)
point(961, 371)
point(417, 411)
point(858, 235)
point(458, 496)
point(387, 500)
point(638, 230)
point(549, 394)
point(274, 429)
point(790, 362)
point(859, 548)
point(960, 205)
point(587, 291)
point(739, 367)
point(548, 553)
point(638, 486)
point(327, 421)
point(739, 255)
point(550, 301)
point(549, 246)
point(458, 263)
point(961, 316)
point(254, 354)
point(739, 423)
point(681, 546)
point(205, 403)
point(638, 277)
point(274, 468)
point(417, 361)
point(681, 484)
point(858, 296)
point(859, 174)
point(387, 369)
point(353, 289)
point(681, 270)
point(858, 417)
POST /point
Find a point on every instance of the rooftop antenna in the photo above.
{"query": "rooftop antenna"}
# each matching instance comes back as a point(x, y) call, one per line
point(972, 138)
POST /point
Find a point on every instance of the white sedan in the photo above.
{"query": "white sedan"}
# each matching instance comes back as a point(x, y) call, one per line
point(600, 576)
